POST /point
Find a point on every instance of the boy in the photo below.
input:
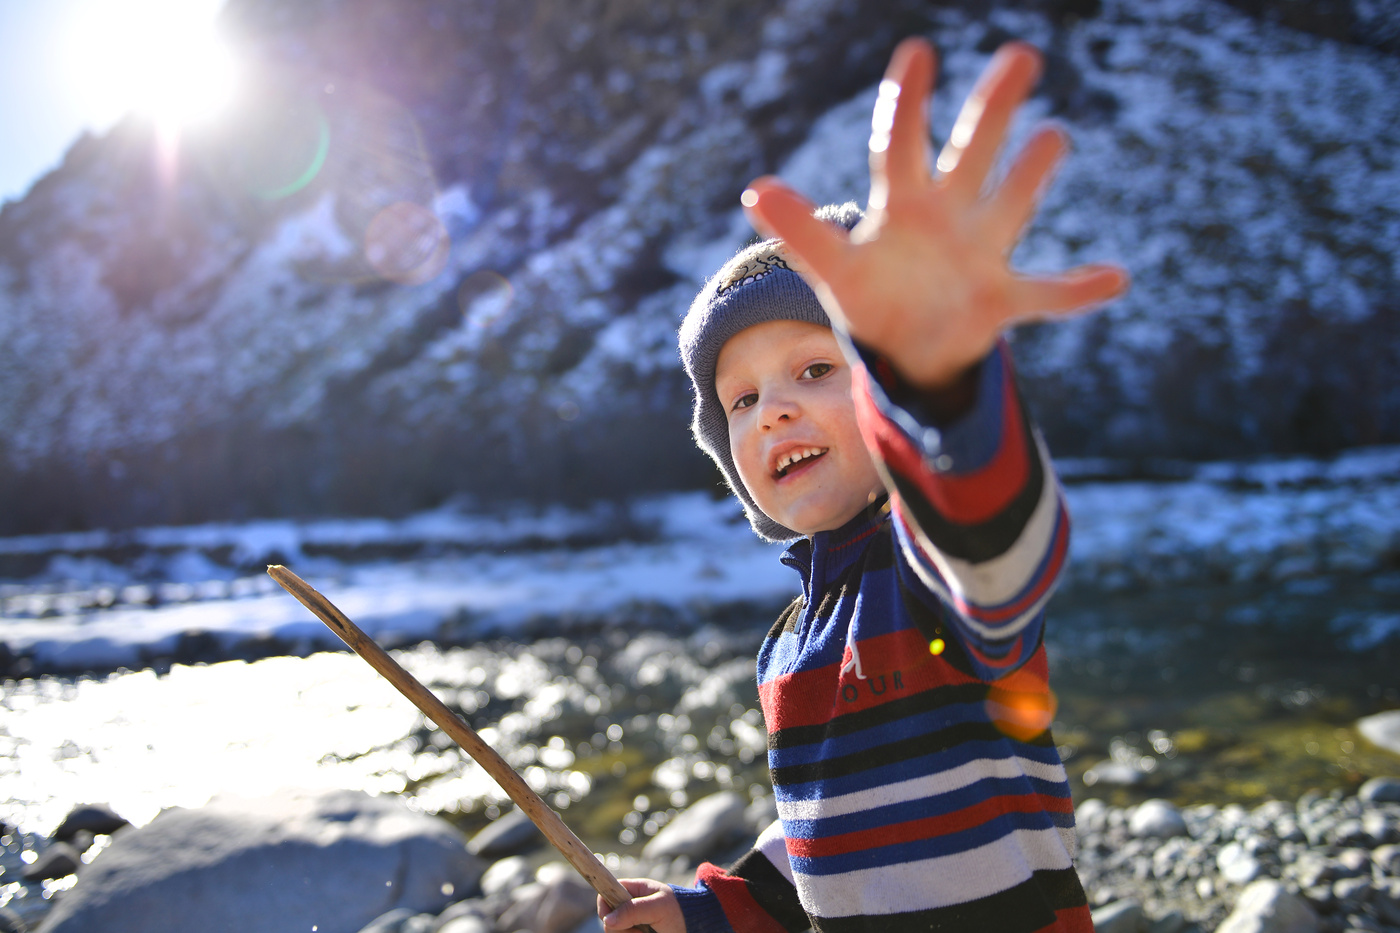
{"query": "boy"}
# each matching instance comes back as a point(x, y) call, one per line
point(905, 691)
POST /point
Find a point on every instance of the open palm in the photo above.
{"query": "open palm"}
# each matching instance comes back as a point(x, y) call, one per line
point(925, 279)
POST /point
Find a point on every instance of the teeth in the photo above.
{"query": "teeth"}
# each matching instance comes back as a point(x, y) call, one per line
point(796, 456)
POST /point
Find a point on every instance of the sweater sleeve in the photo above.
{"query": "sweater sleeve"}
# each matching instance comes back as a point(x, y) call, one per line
point(755, 895)
point(978, 512)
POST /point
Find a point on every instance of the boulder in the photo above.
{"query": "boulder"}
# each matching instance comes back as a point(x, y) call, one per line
point(702, 828)
point(1266, 906)
point(1382, 730)
point(331, 860)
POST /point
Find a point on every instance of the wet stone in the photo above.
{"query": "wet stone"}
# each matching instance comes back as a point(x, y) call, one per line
point(57, 861)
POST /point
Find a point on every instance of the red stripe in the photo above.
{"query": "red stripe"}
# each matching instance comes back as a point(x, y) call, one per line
point(816, 697)
point(932, 827)
point(966, 499)
point(1070, 920)
point(740, 908)
point(1058, 549)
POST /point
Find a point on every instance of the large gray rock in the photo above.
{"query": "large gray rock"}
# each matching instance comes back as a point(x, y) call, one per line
point(1382, 730)
point(334, 861)
point(700, 829)
point(1267, 907)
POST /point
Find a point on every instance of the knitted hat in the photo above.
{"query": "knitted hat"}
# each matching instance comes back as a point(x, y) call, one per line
point(759, 284)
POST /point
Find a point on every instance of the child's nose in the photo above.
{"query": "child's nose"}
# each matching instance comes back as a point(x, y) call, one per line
point(775, 409)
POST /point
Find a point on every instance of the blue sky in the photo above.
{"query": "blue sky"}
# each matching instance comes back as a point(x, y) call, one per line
point(46, 100)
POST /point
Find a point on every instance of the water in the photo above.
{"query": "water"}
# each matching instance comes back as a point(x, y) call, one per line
point(1218, 693)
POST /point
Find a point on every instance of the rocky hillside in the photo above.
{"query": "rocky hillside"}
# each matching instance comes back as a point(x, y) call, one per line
point(443, 247)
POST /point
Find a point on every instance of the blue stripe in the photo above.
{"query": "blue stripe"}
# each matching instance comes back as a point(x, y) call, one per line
point(916, 850)
point(923, 807)
point(898, 730)
point(934, 763)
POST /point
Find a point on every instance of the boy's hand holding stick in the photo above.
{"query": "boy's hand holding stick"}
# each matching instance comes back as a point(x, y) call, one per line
point(559, 835)
point(925, 279)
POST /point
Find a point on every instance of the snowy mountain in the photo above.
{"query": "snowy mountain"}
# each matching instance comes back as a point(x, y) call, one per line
point(444, 248)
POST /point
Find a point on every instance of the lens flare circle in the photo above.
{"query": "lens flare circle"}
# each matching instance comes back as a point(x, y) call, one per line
point(406, 243)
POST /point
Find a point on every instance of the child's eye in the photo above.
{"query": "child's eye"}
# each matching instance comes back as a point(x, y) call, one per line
point(745, 401)
point(817, 370)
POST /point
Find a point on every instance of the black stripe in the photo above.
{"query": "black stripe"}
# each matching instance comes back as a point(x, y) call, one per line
point(1028, 906)
point(787, 619)
point(771, 890)
point(894, 752)
point(986, 540)
point(912, 705)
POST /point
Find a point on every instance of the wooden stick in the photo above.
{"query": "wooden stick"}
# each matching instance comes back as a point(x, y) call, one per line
point(559, 835)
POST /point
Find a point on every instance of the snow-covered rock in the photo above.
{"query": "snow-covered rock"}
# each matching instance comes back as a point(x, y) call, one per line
point(469, 278)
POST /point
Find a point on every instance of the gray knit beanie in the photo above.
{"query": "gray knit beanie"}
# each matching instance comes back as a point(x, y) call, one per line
point(758, 285)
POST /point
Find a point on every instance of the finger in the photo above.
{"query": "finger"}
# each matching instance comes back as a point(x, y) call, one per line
point(1076, 291)
point(651, 905)
point(899, 124)
point(1015, 202)
point(981, 125)
point(776, 210)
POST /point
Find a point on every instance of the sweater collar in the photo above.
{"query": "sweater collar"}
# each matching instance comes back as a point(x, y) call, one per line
point(820, 557)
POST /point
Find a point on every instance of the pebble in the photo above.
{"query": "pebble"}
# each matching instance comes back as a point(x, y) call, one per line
point(1380, 789)
point(703, 828)
point(1123, 916)
point(505, 875)
point(1210, 876)
point(1268, 907)
point(1157, 817)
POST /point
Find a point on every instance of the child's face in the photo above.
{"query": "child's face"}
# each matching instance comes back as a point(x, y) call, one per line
point(792, 426)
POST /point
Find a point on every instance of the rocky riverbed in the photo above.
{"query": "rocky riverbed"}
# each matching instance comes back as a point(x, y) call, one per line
point(1323, 864)
point(624, 728)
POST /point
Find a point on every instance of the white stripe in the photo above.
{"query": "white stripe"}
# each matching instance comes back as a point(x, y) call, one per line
point(996, 581)
point(935, 882)
point(773, 845)
point(929, 785)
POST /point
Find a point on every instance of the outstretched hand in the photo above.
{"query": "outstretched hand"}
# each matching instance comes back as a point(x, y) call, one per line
point(925, 278)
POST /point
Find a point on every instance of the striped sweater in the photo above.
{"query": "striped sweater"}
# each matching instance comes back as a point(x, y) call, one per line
point(906, 696)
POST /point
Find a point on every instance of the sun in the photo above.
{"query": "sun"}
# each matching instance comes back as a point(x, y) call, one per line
point(159, 58)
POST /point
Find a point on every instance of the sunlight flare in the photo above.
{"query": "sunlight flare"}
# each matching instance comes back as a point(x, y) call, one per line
point(159, 58)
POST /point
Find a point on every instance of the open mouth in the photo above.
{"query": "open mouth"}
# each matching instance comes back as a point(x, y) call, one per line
point(796, 458)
